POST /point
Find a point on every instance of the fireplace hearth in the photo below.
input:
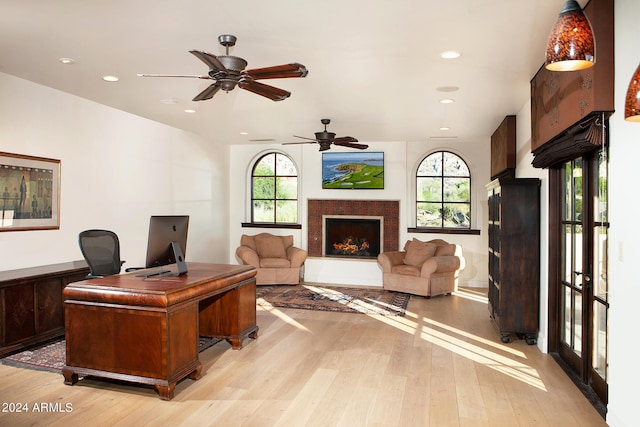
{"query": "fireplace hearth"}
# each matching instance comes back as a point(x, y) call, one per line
point(346, 236)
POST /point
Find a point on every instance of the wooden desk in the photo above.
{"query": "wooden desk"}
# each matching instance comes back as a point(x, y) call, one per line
point(146, 330)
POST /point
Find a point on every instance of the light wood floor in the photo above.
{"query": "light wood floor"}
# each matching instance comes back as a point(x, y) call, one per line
point(443, 364)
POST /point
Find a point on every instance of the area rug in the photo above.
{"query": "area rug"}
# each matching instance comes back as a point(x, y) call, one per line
point(338, 299)
point(52, 356)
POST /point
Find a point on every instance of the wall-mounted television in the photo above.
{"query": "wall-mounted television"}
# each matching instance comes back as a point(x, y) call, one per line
point(353, 170)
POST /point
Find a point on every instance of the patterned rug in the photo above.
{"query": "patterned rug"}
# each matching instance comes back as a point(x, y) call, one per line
point(53, 355)
point(339, 299)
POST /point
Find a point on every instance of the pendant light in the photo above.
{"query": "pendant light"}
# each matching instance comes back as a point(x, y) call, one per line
point(571, 45)
point(632, 101)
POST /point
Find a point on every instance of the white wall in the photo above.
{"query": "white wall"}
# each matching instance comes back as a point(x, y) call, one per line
point(117, 169)
point(401, 161)
point(624, 251)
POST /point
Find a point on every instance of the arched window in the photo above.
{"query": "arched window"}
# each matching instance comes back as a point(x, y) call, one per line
point(274, 190)
point(443, 192)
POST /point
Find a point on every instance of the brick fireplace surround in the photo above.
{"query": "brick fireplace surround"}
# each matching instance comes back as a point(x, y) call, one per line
point(388, 209)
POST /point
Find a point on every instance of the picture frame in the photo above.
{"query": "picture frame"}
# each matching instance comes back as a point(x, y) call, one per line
point(353, 170)
point(29, 193)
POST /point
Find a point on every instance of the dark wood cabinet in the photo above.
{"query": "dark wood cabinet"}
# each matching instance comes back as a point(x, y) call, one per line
point(31, 303)
point(514, 256)
point(503, 149)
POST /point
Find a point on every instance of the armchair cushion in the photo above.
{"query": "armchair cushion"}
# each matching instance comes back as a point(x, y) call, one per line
point(418, 252)
point(270, 246)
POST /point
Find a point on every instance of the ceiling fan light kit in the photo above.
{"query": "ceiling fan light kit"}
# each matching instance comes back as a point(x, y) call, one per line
point(571, 45)
point(228, 71)
point(325, 139)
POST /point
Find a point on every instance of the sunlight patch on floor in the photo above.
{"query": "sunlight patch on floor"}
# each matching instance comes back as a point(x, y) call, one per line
point(281, 315)
point(487, 357)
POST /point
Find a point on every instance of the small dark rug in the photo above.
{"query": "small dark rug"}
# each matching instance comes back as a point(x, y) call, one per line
point(53, 355)
point(329, 298)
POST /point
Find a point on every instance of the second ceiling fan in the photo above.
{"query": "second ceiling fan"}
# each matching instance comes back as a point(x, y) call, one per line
point(326, 139)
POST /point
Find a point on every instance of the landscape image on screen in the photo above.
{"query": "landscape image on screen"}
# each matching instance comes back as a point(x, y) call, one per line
point(353, 170)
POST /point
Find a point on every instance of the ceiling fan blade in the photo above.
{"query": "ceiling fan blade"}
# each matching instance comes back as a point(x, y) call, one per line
point(278, 72)
point(175, 75)
point(345, 139)
point(273, 93)
point(299, 142)
point(208, 92)
point(350, 145)
point(304, 137)
point(211, 60)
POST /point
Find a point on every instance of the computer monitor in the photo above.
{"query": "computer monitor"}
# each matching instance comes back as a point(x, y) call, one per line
point(167, 241)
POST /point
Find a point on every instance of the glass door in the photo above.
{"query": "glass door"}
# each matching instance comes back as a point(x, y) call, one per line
point(583, 286)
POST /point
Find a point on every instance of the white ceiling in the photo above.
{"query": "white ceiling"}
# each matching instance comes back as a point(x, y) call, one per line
point(374, 65)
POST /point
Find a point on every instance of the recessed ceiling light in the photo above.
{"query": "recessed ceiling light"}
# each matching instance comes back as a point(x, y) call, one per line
point(68, 61)
point(445, 128)
point(190, 111)
point(450, 54)
point(447, 88)
point(447, 101)
point(110, 78)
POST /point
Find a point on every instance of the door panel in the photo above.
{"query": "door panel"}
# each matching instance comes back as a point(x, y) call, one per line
point(583, 286)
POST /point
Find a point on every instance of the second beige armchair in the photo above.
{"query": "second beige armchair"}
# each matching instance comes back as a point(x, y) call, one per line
point(278, 262)
point(422, 268)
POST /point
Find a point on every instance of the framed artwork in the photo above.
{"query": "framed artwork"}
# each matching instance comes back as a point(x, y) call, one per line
point(353, 170)
point(30, 193)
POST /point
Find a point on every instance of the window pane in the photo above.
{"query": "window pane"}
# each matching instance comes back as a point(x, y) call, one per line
point(600, 339)
point(431, 166)
point(287, 188)
point(454, 166)
point(456, 215)
point(285, 166)
point(429, 189)
point(264, 188)
point(263, 211)
point(429, 215)
point(265, 167)
point(287, 211)
point(456, 189)
point(600, 204)
point(568, 249)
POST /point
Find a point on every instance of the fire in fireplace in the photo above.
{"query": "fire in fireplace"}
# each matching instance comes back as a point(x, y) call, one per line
point(352, 237)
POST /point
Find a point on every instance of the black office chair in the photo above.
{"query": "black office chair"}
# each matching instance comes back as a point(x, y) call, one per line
point(101, 250)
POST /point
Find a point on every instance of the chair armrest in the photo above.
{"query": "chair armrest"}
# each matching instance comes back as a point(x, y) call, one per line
point(388, 259)
point(248, 256)
point(439, 264)
point(296, 256)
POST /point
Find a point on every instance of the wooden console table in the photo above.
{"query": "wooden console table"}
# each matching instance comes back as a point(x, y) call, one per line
point(31, 303)
point(146, 330)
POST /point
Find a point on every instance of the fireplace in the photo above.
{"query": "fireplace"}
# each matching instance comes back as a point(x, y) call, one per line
point(351, 236)
point(387, 211)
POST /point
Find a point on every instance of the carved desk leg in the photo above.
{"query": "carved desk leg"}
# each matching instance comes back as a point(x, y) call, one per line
point(165, 391)
point(70, 378)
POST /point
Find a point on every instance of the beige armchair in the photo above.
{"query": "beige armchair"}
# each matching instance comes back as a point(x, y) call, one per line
point(422, 268)
point(278, 262)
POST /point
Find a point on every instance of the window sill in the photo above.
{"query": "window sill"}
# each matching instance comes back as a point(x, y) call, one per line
point(443, 230)
point(270, 225)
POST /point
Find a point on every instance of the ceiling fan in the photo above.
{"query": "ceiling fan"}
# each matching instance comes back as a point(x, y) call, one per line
point(228, 71)
point(325, 139)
